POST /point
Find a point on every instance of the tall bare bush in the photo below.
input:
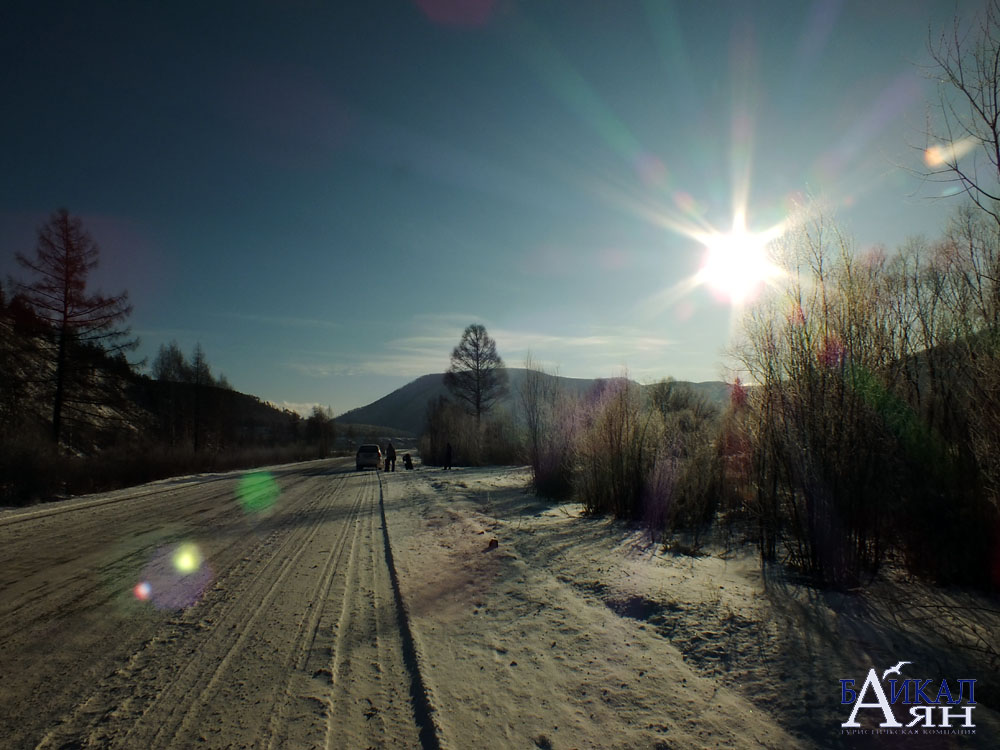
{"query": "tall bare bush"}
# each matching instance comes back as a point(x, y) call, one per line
point(550, 437)
point(613, 449)
point(861, 425)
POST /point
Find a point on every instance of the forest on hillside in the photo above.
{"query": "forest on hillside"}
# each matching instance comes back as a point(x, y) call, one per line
point(77, 415)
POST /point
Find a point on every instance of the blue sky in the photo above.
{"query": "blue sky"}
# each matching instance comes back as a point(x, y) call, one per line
point(325, 194)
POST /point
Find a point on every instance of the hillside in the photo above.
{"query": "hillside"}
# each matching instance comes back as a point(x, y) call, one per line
point(228, 416)
point(406, 407)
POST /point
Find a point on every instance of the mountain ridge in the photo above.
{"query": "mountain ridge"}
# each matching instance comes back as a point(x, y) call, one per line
point(406, 407)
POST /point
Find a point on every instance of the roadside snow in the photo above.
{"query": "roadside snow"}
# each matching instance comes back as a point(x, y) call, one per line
point(59, 505)
point(572, 631)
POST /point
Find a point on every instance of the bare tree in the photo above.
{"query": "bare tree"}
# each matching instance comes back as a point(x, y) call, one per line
point(80, 323)
point(170, 365)
point(201, 371)
point(477, 376)
point(967, 66)
point(321, 430)
point(532, 393)
point(201, 379)
point(967, 269)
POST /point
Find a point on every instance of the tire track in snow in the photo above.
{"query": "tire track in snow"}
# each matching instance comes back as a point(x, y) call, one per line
point(309, 627)
point(67, 583)
point(429, 732)
point(301, 643)
point(83, 586)
point(133, 494)
point(193, 708)
point(360, 711)
point(69, 594)
point(134, 694)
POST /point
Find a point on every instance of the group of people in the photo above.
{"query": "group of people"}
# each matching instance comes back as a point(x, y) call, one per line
point(390, 459)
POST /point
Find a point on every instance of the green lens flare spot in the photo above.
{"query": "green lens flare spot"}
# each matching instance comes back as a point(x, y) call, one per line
point(257, 491)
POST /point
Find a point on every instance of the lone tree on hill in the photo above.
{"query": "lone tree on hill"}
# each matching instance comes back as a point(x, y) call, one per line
point(477, 376)
point(79, 324)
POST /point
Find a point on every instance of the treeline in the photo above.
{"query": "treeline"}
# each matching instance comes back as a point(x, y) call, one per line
point(651, 455)
point(875, 431)
point(76, 415)
point(871, 433)
point(193, 407)
point(494, 439)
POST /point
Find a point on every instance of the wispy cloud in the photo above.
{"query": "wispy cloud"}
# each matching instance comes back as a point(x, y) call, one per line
point(603, 342)
point(409, 363)
point(282, 320)
point(602, 348)
point(596, 351)
point(314, 370)
point(165, 333)
point(438, 321)
point(303, 408)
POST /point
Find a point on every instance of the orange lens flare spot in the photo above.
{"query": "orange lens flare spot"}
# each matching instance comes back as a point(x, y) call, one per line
point(942, 154)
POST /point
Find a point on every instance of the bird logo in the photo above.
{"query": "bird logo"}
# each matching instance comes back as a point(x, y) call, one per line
point(895, 669)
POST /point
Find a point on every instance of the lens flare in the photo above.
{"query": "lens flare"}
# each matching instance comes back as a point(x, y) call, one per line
point(175, 577)
point(736, 263)
point(461, 13)
point(942, 154)
point(651, 170)
point(257, 491)
point(187, 559)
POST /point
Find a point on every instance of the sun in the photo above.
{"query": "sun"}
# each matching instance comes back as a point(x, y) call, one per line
point(736, 264)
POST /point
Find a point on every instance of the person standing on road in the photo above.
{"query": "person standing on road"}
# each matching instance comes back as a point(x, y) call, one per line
point(390, 458)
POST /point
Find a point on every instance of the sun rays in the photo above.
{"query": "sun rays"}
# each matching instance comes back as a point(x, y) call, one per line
point(736, 264)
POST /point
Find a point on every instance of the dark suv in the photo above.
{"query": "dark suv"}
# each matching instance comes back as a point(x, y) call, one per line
point(369, 455)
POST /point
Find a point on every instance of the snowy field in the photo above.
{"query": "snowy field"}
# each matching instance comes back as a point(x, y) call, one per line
point(314, 606)
point(582, 632)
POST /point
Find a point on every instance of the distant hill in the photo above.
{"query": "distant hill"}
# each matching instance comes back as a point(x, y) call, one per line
point(403, 409)
point(406, 408)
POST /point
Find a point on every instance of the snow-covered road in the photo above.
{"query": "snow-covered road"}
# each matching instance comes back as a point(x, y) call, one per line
point(312, 606)
point(207, 612)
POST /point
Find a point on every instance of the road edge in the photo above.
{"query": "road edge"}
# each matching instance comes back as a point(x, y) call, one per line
point(424, 711)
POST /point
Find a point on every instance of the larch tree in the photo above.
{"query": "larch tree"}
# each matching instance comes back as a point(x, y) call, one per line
point(201, 378)
point(79, 324)
point(477, 376)
point(170, 365)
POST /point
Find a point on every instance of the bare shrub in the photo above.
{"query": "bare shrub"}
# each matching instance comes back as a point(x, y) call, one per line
point(861, 429)
point(490, 440)
point(686, 442)
point(644, 456)
point(550, 434)
point(614, 450)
